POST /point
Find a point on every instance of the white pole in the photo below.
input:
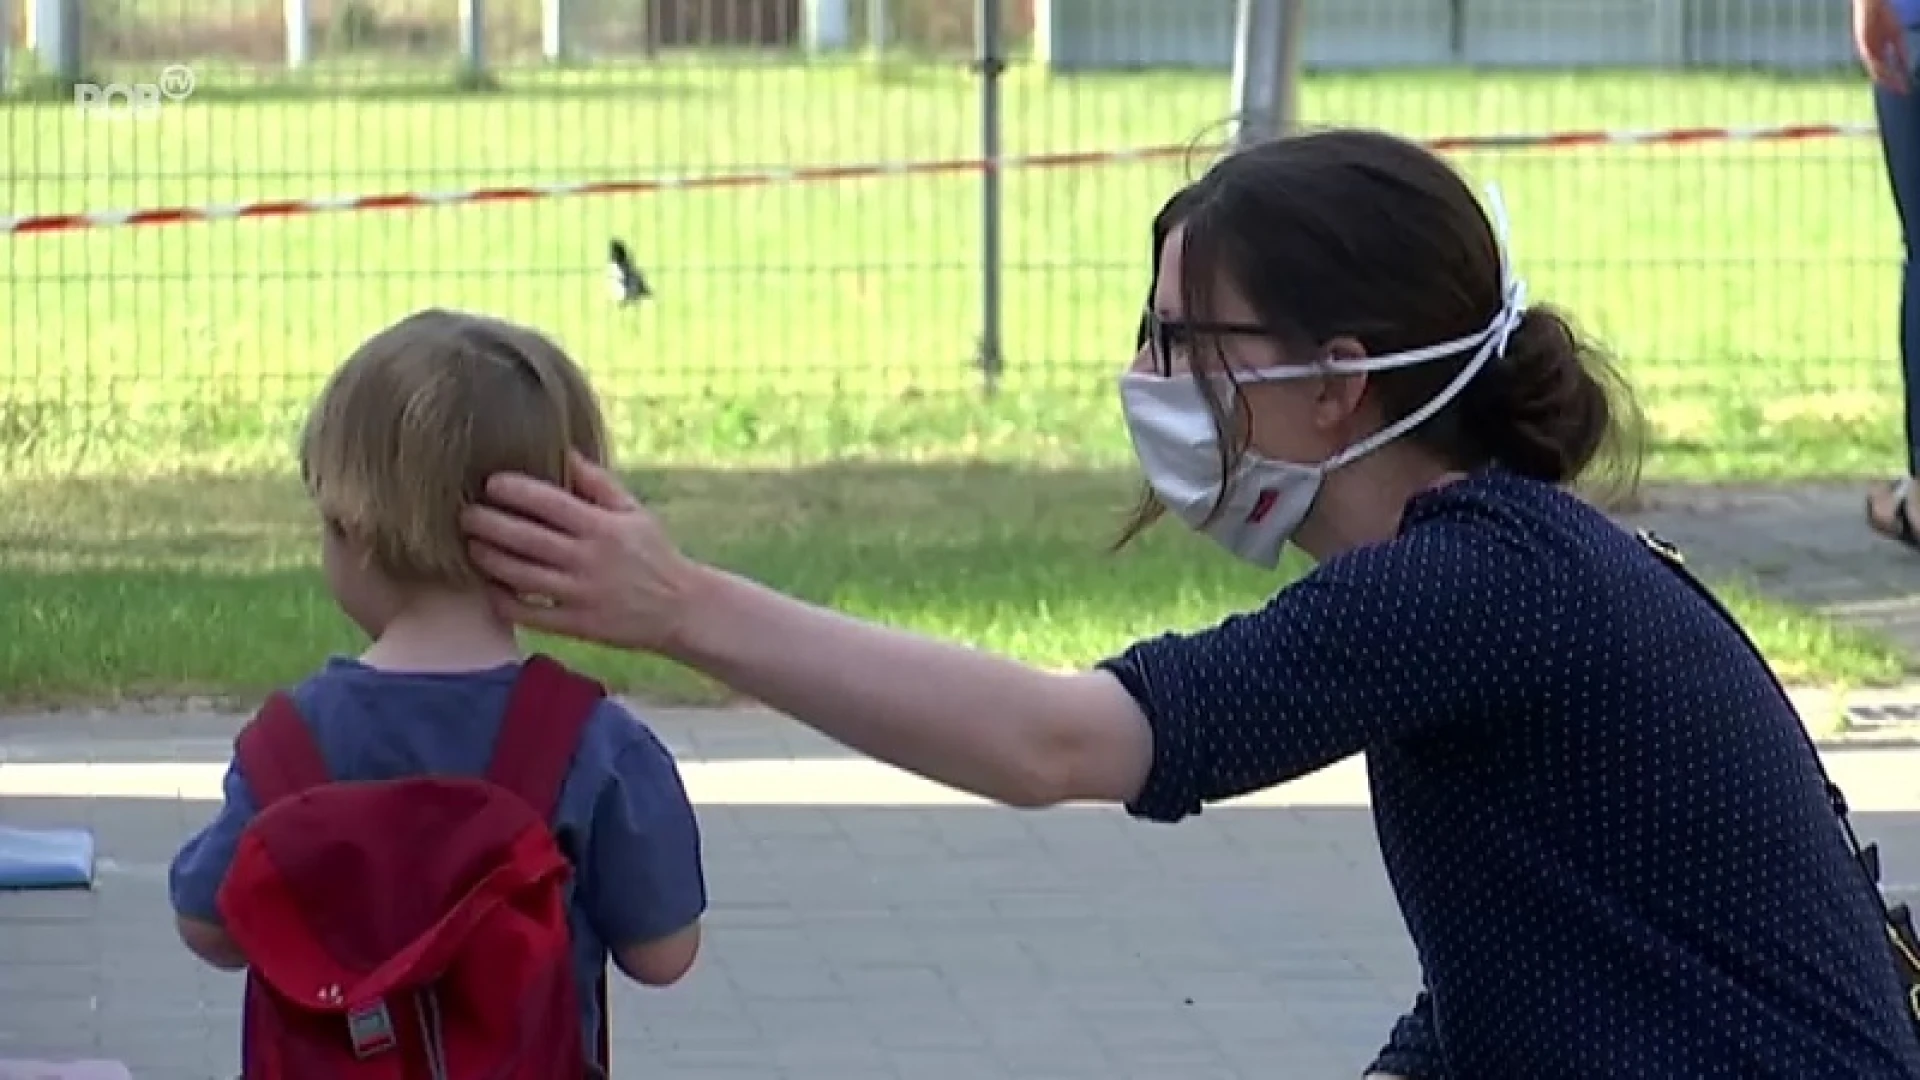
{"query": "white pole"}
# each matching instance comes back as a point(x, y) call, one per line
point(1266, 69)
point(299, 16)
point(553, 31)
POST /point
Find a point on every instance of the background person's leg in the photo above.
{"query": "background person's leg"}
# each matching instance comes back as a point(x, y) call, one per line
point(1888, 509)
point(1899, 118)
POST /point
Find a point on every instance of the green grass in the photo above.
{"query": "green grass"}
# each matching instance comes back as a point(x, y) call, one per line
point(209, 583)
point(801, 390)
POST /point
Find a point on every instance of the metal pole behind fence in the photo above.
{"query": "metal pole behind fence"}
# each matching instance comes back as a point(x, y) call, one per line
point(6, 45)
point(299, 16)
point(473, 47)
point(992, 62)
point(553, 31)
point(57, 23)
point(877, 30)
point(1266, 69)
point(826, 26)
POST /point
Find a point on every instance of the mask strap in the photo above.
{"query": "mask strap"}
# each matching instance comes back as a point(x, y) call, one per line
point(1493, 344)
point(1513, 291)
point(1420, 415)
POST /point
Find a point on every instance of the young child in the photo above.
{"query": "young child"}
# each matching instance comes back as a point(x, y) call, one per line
point(403, 437)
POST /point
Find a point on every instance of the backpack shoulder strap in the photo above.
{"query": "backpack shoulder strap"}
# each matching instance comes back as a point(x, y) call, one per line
point(546, 712)
point(277, 754)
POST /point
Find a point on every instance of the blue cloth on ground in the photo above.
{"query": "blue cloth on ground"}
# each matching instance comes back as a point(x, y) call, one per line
point(46, 858)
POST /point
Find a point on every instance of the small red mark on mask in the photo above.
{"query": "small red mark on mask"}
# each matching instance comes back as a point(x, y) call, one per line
point(1262, 506)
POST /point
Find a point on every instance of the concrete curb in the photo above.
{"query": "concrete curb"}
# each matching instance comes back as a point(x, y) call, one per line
point(1843, 719)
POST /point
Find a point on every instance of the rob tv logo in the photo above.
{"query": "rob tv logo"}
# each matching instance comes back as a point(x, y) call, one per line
point(141, 100)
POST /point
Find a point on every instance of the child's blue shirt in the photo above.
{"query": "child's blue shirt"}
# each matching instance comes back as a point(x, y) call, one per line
point(623, 812)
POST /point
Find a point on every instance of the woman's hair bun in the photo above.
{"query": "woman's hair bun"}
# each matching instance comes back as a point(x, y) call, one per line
point(1550, 405)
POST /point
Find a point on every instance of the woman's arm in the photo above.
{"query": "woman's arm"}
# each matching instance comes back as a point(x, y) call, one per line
point(592, 564)
point(966, 718)
point(1342, 659)
point(1882, 44)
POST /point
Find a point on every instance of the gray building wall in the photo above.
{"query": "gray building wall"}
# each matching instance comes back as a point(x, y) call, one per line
point(1785, 35)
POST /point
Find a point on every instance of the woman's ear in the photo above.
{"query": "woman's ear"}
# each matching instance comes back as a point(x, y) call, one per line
point(1340, 395)
point(1344, 350)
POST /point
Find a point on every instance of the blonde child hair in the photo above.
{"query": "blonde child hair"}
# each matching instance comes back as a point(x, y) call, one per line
point(407, 431)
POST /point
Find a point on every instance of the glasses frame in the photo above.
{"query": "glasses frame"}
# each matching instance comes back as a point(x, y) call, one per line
point(1163, 334)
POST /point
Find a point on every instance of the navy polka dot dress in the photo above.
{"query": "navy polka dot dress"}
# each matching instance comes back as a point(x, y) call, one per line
point(1606, 833)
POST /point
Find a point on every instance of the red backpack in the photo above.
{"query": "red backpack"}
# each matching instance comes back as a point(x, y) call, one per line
point(417, 927)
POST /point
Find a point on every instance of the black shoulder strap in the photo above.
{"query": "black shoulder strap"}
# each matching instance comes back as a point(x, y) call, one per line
point(1896, 920)
point(1671, 557)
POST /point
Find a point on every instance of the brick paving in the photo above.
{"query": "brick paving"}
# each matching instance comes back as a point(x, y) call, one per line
point(924, 940)
point(849, 942)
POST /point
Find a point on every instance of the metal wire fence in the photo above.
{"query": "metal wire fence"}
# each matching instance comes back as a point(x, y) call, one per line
point(1750, 287)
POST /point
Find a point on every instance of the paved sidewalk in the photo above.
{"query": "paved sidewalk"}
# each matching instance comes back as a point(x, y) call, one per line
point(865, 925)
point(1809, 545)
point(927, 938)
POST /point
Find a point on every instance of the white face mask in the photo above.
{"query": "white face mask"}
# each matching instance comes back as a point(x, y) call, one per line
point(1265, 500)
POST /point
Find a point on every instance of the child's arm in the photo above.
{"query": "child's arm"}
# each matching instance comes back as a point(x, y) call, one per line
point(210, 942)
point(200, 867)
point(663, 962)
point(645, 887)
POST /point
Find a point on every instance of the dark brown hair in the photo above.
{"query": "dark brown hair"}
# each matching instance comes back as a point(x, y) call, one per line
point(1359, 234)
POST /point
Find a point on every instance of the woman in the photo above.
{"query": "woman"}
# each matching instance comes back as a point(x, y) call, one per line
point(1604, 828)
point(1880, 29)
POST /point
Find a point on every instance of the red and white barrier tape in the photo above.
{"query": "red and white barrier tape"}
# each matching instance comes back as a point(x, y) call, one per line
point(280, 208)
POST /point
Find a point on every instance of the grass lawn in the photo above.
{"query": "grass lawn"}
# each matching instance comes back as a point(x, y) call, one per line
point(210, 583)
point(800, 393)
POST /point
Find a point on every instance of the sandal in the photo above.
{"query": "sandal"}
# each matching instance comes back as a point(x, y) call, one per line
point(1898, 525)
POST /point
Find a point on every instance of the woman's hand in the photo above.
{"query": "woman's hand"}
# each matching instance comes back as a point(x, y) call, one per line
point(1882, 44)
point(588, 564)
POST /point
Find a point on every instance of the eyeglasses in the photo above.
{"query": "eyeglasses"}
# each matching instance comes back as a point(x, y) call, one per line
point(1166, 335)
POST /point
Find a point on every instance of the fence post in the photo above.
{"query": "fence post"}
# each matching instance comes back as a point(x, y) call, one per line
point(1669, 33)
point(877, 28)
point(57, 30)
point(825, 26)
point(473, 42)
point(553, 31)
point(1266, 69)
point(6, 45)
point(991, 64)
point(299, 16)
